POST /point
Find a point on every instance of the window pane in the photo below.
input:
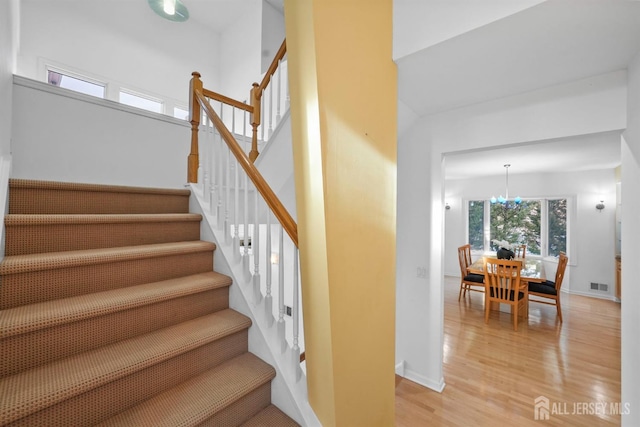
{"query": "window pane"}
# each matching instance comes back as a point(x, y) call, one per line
point(72, 83)
point(517, 224)
point(557, 226)
point(476, 224)
point(180, 113)
point(140, 102)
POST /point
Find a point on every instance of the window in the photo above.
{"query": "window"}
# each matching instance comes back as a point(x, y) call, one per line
point(517, 223)
point(557, 229)
point(180, 113)
point(140, 101)
point(540, 224)
point(476, 224)
point(77, 84)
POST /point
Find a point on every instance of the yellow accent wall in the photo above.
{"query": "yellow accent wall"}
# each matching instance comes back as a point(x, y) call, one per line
point(343, 113)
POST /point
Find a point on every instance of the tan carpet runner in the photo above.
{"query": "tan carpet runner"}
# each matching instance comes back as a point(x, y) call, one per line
point(110, 314)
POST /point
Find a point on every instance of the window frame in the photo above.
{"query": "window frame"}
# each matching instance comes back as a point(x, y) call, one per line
point(544, 223)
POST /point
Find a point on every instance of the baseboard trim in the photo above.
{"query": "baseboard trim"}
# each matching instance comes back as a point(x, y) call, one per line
point(401, 370)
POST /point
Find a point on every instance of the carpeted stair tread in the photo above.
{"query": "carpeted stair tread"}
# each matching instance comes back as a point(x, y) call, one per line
point(45, 219)
point(52, 260)
point(271, 416)
point(199, 398)
point(30, 391)
point(73, 186)
point(45, 197)
point(28, 318)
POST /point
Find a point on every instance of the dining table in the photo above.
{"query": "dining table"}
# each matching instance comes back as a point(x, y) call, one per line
point(532, 271)
point(532, 268)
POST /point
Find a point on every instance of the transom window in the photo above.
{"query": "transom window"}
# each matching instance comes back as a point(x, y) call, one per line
point(77, 84)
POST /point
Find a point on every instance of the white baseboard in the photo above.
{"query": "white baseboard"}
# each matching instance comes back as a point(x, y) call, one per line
point(402, 371)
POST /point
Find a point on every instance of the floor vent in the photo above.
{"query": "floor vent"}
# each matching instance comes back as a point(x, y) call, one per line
point(599, 287)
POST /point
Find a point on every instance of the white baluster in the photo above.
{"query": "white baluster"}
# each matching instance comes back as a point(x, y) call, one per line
point(204, 159)
point(262, 126)
point(255, 245)
point(296, 318)
point(268, 299)
point(227, 223)
point(278, 116)
point(281, 324)
point(270, 110)
point(220, 170)
point(246, 265)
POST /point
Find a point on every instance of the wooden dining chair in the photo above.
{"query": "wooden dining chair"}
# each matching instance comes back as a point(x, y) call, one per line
point(503, 285)
point(549, 292)
point(520, 251)
point(468, 281)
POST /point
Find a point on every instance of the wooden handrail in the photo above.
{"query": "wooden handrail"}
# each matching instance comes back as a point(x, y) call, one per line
point(256, 177)
point(273, 67)
point(256, 96)
point(218, 97)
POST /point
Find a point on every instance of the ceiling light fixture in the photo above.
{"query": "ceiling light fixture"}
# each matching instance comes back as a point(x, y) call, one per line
point(505, 200)
point(173, 10)
point(169, 7)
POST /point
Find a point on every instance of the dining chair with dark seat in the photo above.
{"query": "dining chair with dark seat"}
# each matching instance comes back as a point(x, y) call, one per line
point(503, 285)
point(549, 292)
point(468, 281)
point(520, 251)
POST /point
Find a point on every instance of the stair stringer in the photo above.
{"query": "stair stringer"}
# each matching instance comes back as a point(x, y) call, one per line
point(287, 393)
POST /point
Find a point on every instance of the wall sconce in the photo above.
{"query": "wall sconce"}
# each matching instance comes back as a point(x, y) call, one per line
point(275, 258)
point(600, 206)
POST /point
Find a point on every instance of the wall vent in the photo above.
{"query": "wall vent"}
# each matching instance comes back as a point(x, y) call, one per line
point(594, 286)
point(599, 287)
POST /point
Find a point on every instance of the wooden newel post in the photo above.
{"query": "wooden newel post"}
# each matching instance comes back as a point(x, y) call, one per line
point(194, 117)
point(255, 96)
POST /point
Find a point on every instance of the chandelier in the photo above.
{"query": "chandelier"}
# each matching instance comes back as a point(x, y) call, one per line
point(505, 200)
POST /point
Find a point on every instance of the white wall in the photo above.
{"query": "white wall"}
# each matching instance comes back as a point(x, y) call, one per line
point(592, 247)
point(9, 20)
point(630, 317)
point(124, 42)
point(272, 33)
point(592, 105)
point(61, 135)
point(240, 55)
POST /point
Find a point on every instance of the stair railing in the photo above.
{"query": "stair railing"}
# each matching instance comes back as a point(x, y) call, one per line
point(249, 215)
point(261, 104)
point(269, 102)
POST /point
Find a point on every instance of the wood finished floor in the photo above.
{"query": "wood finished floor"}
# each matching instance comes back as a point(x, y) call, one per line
point(493, 374)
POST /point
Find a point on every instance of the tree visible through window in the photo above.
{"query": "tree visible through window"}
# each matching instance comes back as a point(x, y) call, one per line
point(476, 224)
point(557, 227)
point(517, 224)
point(520, 224)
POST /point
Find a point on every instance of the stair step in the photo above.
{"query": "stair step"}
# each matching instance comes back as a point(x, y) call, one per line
point(196, 401)
point(271, 416)
point(27, 234)
point(34, 390)
point(34, 278)
point(46, 197)
point(28, 338)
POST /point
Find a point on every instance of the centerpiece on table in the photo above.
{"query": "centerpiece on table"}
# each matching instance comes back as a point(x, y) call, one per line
point(505, 249)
